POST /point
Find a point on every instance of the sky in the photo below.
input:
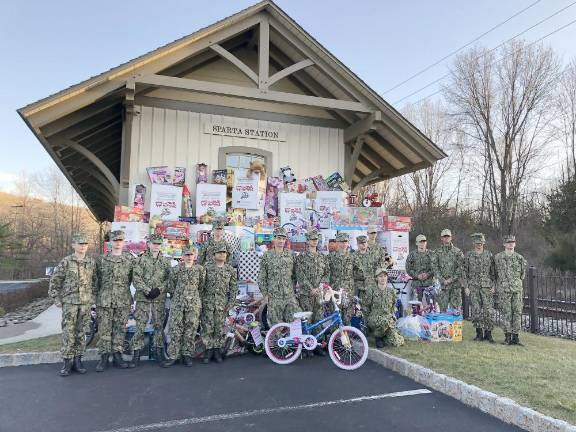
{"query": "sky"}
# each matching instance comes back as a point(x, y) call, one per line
point(47, 46)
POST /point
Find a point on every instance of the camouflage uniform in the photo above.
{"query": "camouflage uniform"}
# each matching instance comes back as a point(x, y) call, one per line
point(416, 263)
point(479, 273)
point(218, 295)
point(150, 272)
point(208, 249)
point(364, 266)
point(72, 285)
point(510, 272)
point(311, 270)
point(342, 277)
point(447, 263)
point(276, 280)
point(113, 301)
point(184, 288)
point(380, 320)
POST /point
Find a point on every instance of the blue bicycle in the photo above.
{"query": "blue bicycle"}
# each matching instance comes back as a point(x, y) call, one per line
point(347, 346)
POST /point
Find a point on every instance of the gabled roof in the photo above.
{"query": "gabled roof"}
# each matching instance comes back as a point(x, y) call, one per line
point(85, 120)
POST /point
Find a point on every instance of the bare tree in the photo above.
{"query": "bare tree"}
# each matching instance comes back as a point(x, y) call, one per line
point(435, 186)
point(503, 101)
point(566, 121)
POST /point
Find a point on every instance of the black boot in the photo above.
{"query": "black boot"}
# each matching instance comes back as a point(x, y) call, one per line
point(319, 351)
point(507, 339)
point(159, 355)
point(516, 340)
point(119, 361)
point(78, 366)
point(168, 363)
point(187, 360)
point(103, 363)
point(66, 367)
point(479, 335)
point(207, 356)
point(379, 342)
point(135, 359)
point(488, 336)
point(218, 355)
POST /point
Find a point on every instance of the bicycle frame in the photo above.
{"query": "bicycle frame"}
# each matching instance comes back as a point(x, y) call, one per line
point(335, 318)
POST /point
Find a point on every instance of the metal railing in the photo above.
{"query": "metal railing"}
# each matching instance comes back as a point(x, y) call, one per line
point(549, 303)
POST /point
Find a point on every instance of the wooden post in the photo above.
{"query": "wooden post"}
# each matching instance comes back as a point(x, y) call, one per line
point(533, 299)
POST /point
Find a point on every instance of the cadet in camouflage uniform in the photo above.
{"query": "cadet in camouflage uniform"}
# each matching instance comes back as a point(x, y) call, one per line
point(379, 253)
point(447, 262)
point(380, 320)
point(364, 266)
point(342, 274)
point(419, 267)
point(311, 269)
point(71, 288)
point(113, 301)
point(276, 280)
point(216, 241)
point(218, 295)
point(150, 278)
point(510, 272)
point(186, 280)
point(480, 276)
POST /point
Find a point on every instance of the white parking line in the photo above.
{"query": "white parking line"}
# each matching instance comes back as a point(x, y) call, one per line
point(264, 411)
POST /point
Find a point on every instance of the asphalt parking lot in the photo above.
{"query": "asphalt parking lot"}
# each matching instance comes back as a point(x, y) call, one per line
point(244, 393)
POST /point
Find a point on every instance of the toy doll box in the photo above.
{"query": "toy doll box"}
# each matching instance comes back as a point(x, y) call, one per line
point(445, 327)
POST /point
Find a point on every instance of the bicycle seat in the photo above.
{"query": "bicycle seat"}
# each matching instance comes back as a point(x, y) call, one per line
point(303, 315)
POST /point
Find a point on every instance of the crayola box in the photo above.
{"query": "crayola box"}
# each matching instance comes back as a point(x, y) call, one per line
point(445, 327)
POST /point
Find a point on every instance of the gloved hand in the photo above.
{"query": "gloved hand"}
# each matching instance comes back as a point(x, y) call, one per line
point(152, 294)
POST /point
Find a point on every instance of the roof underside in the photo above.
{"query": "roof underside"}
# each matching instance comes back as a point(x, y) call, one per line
point(82, 127)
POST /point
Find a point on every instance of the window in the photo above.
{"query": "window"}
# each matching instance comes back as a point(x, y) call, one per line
point(240, 157)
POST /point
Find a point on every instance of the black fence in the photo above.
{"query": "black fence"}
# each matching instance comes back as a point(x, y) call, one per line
point(549, 303)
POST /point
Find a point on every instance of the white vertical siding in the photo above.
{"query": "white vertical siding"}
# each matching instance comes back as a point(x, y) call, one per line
point(176, 138)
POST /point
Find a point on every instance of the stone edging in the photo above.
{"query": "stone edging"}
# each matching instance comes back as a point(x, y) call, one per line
point(502, 408)
point(33, 358)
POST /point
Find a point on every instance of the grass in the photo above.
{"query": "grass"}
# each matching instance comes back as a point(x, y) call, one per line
point(48, 343)
point(540, 375)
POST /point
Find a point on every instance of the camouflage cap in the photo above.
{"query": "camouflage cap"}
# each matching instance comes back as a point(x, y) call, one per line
point(380, 270)
point(221, 248)
point(80, 238)
point(312, 234)
point(156, 239)
point(446, 232)
point(342, 237)
point(478, 238)
point(420, 237)
point(372, 229)
point(218, 224)
point(361, 239)
point(279, 232)
point(189, 250)
point(509, 239)
point(117, 235)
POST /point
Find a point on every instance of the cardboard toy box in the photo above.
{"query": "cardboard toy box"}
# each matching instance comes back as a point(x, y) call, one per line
point(445, 327)
point(397, 245)
point(397, 223)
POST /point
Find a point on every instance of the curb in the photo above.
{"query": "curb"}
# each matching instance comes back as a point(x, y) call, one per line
point(34, 358)
point(502, 408)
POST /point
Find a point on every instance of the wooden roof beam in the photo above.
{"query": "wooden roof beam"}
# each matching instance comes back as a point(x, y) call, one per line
point(250, 93)
point(363, 126)
point(235, 61)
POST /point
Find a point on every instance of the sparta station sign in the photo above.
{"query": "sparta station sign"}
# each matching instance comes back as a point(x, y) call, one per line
point(244, 132)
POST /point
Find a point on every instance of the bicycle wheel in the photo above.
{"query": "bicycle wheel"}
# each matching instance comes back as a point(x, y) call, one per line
point(348, 348)
point(280, 355)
